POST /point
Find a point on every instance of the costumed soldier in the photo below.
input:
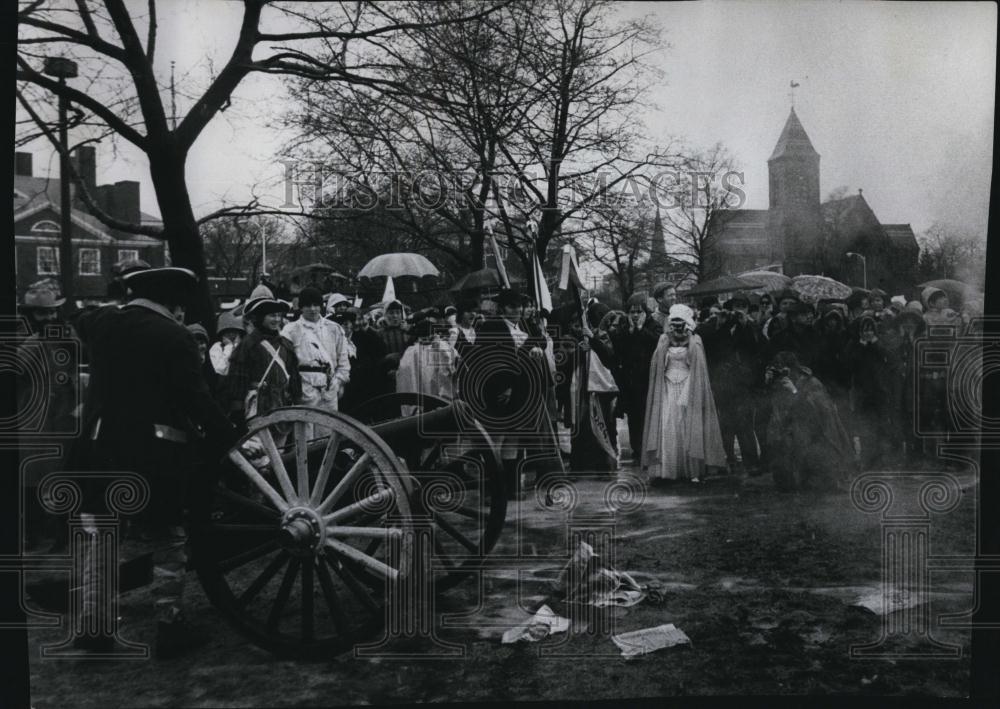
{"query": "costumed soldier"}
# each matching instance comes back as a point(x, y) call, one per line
point(496, 381)
point(146, 404)
point(321, 348)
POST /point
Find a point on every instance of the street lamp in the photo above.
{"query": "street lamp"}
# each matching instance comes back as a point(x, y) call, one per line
point(63, 69)
point(864, 267)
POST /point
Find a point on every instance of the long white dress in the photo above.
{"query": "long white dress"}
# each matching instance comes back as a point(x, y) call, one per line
point(673, 463)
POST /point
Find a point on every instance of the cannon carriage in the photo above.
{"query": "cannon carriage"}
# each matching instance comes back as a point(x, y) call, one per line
point(299, 549)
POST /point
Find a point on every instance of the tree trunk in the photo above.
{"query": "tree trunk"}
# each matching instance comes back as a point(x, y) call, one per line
point(180, 229)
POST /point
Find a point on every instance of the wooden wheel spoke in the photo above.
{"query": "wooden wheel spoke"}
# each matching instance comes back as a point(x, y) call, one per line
point(329, 456)
point(368, 532)
point(246, 503)
point(261, 581)
point(345, 483)
point(283, 593)
point(433, 456)
point(363, 506)
point(467, 511)
point(355, 586)
point(455, 534)
point(308, 620)
point(234, 562)
point(302, 458)
point(332, 599)
point(370, 564)
point(257, 479)
point(277, 464)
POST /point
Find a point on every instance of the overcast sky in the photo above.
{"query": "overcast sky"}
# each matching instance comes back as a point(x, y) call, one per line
point(897, 97)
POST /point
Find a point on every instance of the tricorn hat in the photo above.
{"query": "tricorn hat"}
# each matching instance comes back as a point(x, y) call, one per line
point(508, 296)
point(259, 307)
point(163, 285)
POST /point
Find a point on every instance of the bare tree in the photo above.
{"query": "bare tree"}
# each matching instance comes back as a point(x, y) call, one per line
point(698, 202)
point(118, 47)
point(949, 252)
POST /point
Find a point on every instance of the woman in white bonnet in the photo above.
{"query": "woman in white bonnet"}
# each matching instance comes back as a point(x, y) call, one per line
point(681, 438)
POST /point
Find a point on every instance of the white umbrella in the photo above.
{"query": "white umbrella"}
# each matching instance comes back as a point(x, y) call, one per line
point(396, 265)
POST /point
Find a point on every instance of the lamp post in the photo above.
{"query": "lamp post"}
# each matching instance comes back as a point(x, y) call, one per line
point(864, 267)
point(63, 69)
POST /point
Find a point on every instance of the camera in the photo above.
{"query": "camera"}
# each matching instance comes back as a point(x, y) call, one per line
point(949, 372)
point(46, 372)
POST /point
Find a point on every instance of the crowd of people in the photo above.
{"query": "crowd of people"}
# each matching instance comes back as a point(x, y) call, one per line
point(809, 392)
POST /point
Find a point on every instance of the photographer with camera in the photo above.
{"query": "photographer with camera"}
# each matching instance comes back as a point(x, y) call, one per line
point(809, 448)
point(634, 344)
point(731, 348)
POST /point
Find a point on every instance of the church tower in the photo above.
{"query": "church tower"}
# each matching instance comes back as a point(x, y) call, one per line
point(795, 222)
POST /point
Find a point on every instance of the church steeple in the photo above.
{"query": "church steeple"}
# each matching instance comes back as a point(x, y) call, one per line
point(794, 167)
point(793, 141)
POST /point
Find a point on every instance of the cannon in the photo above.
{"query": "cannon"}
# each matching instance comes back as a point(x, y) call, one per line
point(298, 549)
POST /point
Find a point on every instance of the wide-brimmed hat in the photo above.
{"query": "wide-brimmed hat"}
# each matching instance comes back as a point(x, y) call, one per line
point(258, 307)
point(660, 287)
point(42, 298)
point(336, 299)
point(128, 265)
point(229, 320)
point(170, 284)
point(508, 296)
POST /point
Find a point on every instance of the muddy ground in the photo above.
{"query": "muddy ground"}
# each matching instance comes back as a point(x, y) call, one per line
point(762, 583)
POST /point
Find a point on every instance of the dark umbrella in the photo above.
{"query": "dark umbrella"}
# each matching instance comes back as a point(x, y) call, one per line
point(722, 284)
point(317, 268)
point(483, 278)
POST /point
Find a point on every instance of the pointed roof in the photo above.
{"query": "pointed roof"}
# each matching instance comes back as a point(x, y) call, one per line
point(793, 140)
point(659, 247)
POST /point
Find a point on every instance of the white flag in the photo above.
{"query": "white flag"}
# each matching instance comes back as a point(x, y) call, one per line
point(390, 291)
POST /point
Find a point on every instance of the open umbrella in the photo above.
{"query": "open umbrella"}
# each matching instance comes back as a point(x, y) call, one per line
point(814, 288)
point(769, 280)
point(398, 264)
point(483, 278)
point(318, 268)
point(722, 284)
point(957, 291)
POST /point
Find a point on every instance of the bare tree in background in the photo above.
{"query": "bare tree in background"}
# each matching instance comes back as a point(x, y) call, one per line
point(948, 252)
point(116, 48)
point(697, 202)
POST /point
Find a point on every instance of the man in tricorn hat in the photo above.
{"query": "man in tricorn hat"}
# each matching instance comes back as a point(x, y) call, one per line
point(146, 404)
point(496, 381)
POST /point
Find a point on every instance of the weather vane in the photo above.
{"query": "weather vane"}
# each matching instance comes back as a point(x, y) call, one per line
point(792, 85)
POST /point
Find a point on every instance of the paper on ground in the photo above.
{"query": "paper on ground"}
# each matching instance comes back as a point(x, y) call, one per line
point(641, 642)
point(894, 600)
point(544, 623)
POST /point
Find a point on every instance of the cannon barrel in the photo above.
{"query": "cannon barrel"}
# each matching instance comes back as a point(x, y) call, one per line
point(405, 436)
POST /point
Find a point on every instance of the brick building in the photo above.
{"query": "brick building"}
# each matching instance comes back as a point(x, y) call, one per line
point(95, 247)
point(806, 235)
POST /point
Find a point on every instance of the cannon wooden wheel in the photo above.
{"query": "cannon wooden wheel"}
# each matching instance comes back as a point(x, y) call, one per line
point(298, 551)
point(457, 475)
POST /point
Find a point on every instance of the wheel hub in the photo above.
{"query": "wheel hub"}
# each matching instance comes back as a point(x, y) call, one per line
point(302, 530)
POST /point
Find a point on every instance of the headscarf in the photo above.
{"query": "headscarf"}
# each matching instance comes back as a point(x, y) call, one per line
point(682, 312)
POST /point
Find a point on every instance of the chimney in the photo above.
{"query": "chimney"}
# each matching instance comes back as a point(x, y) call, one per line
point(85, 162)
point(22, 164)
point(126, 201)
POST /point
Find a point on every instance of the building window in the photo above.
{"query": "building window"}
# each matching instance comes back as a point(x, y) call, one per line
point(45, 226)
point(128, 255)
point(90, 262)
point(48, 261)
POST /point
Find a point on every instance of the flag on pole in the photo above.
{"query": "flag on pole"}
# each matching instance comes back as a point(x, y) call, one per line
point(390, 291)
point(357, 300)
point(501, 268)
point(539, 287)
